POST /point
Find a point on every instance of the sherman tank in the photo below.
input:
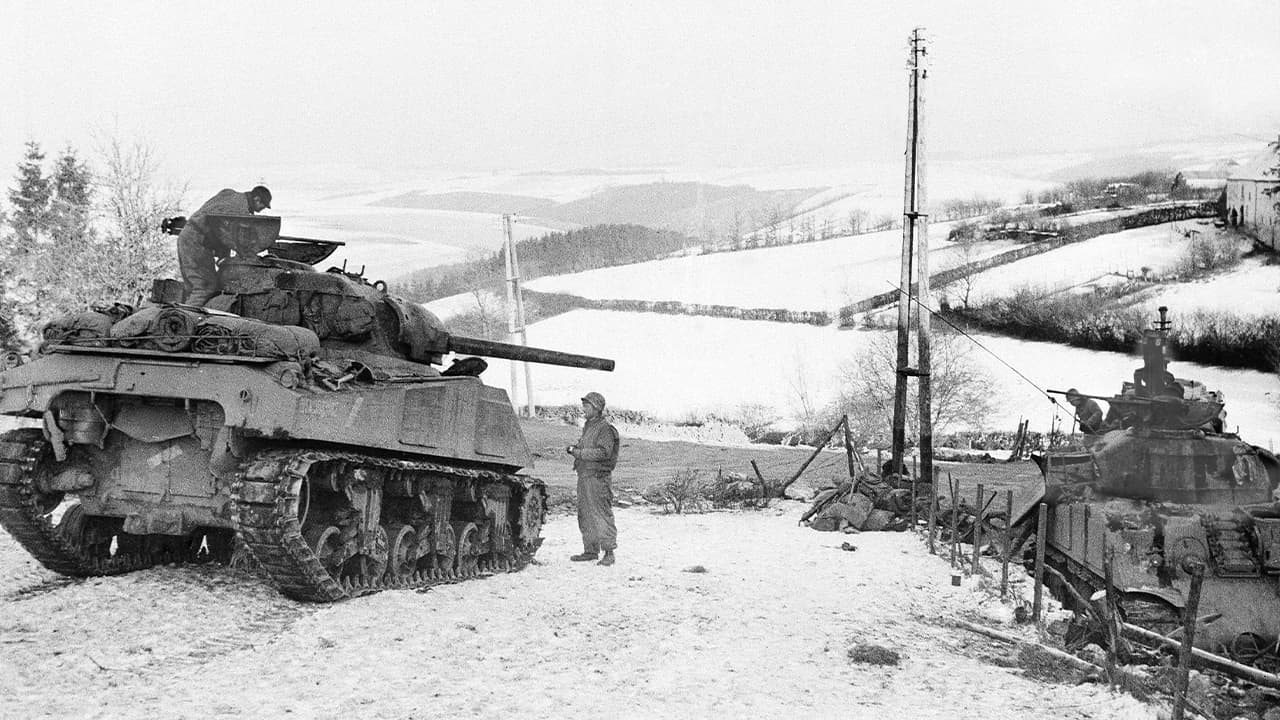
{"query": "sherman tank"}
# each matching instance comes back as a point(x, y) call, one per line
point(1160, 490)
point(299, 419)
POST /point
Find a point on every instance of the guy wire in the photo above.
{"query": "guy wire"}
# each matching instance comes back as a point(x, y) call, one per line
point(974, 340)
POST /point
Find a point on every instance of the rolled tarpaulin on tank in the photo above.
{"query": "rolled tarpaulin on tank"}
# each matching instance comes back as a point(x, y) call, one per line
point(173, 329)
point(84, 328)
point(217, 335)
point(135, 330)
point(229, 335)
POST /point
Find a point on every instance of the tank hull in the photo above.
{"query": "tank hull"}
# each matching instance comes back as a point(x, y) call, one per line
point(1156, 503)
point(336, 490)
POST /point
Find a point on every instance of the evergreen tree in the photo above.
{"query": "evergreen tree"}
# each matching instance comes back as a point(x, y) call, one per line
point(72, 194)
point(32, 195)
point(62, 251)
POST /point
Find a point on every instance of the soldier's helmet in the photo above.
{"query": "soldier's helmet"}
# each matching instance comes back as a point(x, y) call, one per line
point(594, 399)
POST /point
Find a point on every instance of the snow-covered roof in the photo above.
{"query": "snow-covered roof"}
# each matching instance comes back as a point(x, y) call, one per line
point(1260, 167)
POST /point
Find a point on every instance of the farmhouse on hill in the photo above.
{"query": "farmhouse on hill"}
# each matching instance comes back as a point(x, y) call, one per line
point(1248, 204)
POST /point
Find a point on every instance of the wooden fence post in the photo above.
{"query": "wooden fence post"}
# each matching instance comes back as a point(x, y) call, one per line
point(1188, 639)
point(1008, 542)
point(977, 529)
point(1038, 600)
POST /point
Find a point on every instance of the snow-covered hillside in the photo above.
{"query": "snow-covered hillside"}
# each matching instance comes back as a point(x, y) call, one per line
point(820, 275)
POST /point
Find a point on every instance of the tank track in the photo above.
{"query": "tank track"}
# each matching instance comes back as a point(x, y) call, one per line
point(23, 516)
point(1156, 617)
point(268, 493)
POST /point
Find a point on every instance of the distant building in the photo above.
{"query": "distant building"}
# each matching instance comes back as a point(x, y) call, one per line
point(1207, 177)
point(1247, 206)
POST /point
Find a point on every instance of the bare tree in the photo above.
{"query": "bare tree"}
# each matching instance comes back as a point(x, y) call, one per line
point(959, 388)
point(133, 201)
point(857, 221)
point(967, 243)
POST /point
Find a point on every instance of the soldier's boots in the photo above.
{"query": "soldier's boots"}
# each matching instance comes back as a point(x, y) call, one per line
point(607, 559)
point(584, 556)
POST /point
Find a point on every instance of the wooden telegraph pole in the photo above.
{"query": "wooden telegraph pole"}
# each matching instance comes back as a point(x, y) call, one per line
point(515, 315)
point(914, 234)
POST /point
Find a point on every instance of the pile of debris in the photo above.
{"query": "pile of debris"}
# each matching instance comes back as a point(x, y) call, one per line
point(864, 504)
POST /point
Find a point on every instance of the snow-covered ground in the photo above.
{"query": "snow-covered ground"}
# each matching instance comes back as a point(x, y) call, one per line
point(1158, 248)
point(764, 630)
point(820, 275)
point(1250, 290)
point(678, 367)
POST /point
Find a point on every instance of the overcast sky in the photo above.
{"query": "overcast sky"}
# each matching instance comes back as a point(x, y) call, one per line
point(521, 85)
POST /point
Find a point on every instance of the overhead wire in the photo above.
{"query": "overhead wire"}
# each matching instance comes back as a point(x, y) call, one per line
point(975, 341)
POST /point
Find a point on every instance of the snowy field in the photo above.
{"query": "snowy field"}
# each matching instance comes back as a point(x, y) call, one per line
point(810, 276)
point(1250, 290)
point(1157, 247)
point(679, 367)
point(764, 630)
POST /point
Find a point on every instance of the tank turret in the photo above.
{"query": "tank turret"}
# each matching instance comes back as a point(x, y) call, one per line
point(1163, 490)
point(347, 313)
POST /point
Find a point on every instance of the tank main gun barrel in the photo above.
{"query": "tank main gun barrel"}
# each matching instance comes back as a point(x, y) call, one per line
point(509, 351)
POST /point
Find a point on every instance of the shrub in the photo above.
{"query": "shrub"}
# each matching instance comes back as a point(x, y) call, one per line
point(1208, 254)
point(685, 490)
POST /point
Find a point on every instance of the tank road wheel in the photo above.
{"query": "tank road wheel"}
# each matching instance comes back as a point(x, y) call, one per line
point(326, 542)
point(402, 551)
point(469, 551)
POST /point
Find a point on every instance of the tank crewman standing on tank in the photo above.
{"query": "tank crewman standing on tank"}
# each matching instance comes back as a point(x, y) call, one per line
point(199, 245)
point(594, 458)
point(1088, 414)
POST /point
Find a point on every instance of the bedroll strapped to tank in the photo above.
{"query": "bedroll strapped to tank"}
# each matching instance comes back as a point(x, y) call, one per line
point(177, 328)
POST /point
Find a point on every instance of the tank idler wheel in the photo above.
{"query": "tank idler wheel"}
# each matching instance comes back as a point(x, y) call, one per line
point(468, 553)
point(326, 542)
point(402, 550)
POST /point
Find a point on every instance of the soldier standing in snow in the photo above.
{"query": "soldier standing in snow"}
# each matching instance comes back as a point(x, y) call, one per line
point(594, 458)
point(199, 244)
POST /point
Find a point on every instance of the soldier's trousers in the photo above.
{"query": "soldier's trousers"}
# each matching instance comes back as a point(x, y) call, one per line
point(595, 512)
point(199, 271)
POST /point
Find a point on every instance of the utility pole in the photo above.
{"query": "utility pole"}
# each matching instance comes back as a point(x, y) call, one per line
point(515, 315)
point(914, 233)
